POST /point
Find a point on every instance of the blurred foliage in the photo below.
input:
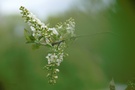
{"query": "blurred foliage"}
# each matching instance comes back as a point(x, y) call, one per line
point(131, 85)
point(93, 59)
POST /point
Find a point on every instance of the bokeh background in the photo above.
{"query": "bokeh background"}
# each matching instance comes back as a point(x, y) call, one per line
point(106, 50)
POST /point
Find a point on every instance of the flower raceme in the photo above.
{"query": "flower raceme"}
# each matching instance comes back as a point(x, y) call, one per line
point(55, 58)
point(53, 37)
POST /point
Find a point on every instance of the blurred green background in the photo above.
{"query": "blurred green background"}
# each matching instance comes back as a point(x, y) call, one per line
point(107, 51)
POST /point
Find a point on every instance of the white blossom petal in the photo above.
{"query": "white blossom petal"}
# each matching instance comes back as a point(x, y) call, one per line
point(53, 30)
point(32, 28)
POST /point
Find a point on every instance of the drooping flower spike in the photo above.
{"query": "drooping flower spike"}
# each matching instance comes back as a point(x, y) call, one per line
point(54, 37)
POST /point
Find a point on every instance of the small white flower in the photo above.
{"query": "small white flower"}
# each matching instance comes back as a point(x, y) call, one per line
point(55, 77)
point(30, 16)
point(33, 34)
point(48, 56)
point(55, 58)
point(59, 61)
point(61, 56)
point(38, 21)
point(37, 34)
point(71, 28)
point(51, 58)
point(53, 30)
point(47, 40)
point(48, 75)
point(32, 28)
point(58, 64)
point(57, 70)
point(43, 25)
point(59, 27)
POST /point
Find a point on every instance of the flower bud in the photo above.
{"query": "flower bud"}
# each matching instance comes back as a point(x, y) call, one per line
point(55, 77)
point(57, 70)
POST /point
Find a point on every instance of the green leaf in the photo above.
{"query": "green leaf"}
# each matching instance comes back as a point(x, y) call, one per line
point(40, 37)
point(35, 46)
point(32, 38)
point(28, 36)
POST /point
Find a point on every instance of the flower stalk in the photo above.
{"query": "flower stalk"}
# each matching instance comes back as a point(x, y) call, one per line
point(53, 37)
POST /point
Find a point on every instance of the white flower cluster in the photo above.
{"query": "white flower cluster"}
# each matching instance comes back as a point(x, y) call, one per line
point(38, 28)
point(56, 38)
point(71, 27)
point(55, 58)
